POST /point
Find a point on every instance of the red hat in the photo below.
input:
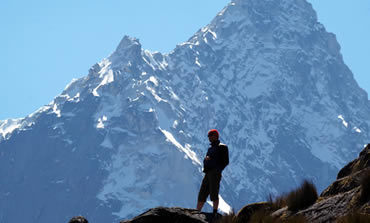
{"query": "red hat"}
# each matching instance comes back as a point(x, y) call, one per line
point(213, 132)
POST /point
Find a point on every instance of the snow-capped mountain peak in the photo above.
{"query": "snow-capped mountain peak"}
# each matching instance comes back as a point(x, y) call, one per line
point(131, 134)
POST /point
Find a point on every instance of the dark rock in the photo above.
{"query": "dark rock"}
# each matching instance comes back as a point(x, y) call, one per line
point(341, 198)
point(365, 209)
point(344, 184)
point(78, 219)
point(350, 176)
point(362, 162)
point(247, 211)
point(282, 213)
point(328, 210)
point(172, 215)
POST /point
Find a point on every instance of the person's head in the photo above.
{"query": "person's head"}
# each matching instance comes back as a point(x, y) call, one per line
point(78, 219)
point(213, 135)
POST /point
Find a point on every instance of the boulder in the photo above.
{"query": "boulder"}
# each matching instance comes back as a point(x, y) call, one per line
point(340, 198)
point(345, 184)
point(173, 215)
point(362, 162)
point(350, 176)
point(247, 211)
point(329, 209)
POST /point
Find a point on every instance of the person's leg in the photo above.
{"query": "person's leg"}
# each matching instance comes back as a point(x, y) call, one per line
point(214, 182)
point(200, 205)
point(203, 193)
point(215, 206)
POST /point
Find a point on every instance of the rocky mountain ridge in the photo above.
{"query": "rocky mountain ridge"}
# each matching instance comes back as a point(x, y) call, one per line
point(345, 195)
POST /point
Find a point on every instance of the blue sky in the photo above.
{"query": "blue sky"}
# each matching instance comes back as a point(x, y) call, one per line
point(44, 44)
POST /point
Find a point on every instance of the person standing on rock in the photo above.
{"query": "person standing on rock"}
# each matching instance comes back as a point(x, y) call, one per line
point(214, 163)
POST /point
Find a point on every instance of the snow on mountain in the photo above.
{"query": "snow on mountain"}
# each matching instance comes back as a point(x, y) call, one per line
point(8, 126)
point(131, 135)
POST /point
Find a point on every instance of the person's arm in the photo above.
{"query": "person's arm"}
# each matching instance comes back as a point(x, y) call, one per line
point(226, 157)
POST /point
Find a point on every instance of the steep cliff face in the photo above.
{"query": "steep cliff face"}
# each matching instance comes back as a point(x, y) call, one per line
point(131, 135)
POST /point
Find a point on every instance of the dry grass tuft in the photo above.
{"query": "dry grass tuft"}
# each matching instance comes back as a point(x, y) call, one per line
point(265, 217)
point(262, 216)
point(228, 218)
point(278, 202)
point(296, 200)
point(296, 219)
point(302, 197)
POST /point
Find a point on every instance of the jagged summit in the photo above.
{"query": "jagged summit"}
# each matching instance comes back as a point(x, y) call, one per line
point(128, 47)
point(265, 19)
point(131, 134)
point(128, 42)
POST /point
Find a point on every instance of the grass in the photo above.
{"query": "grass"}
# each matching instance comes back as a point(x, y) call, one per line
point(302, 197)
point(265, 217)
point(262, 216)
point(296, 200)
point(277, 203)
point(228, 218)
point(354, 218)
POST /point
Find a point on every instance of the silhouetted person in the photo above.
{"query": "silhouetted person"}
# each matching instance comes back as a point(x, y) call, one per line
point(216, 160)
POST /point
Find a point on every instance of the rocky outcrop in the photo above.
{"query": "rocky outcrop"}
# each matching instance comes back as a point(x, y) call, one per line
point(345, 184)
point(246, 212)
point(329, 209)
point(357, 165)
point(340, 198)
point(173, 215)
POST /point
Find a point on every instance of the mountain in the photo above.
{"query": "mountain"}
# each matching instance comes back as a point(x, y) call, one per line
point(131, 134)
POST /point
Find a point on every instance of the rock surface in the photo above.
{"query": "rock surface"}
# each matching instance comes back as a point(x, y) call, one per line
point(173, 215)
point(329, 209)
point(246, 212)
point(341, 197)
point(359, 164)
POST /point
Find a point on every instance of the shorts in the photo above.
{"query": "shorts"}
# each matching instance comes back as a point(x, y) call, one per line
point(210, 186)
